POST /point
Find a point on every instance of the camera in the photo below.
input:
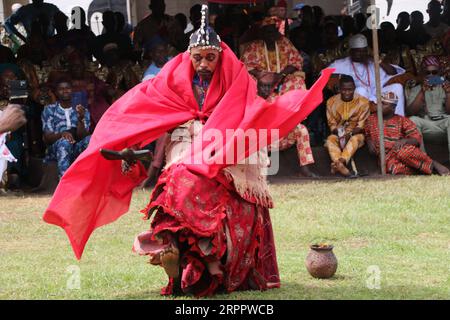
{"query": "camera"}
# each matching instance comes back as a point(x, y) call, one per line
point(18, 91)
point(436, 81)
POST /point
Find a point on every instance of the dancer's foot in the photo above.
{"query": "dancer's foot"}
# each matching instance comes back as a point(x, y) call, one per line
point(342, 168)
point(170, 261)
point(441, 169)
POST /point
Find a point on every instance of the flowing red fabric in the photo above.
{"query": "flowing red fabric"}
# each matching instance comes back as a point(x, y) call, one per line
point(210, 222)
point(93, 192)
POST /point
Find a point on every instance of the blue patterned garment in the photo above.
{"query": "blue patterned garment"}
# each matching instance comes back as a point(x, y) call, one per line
point(56, 119)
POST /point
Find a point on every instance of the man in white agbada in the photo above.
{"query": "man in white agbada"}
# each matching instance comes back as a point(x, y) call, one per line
point(361, 67)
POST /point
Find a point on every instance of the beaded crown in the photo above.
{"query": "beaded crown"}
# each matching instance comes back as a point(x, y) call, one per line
point(205, 36)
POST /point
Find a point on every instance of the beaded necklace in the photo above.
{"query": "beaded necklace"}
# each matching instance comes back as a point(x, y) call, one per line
point(367, 84)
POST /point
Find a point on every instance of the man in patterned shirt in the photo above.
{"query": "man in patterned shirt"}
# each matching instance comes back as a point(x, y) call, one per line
point(277, 67)
point(65, 127)
point(402, 142)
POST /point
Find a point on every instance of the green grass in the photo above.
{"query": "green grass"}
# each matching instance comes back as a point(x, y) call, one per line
point(400, 225)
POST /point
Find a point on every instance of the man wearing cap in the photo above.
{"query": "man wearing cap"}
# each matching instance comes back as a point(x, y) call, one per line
point(360, 66)
point(402, 142)
point(211, 227)
point(429, 103)
point(277, 63)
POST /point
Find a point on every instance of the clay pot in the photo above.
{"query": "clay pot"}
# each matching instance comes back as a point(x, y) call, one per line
point(321, 262)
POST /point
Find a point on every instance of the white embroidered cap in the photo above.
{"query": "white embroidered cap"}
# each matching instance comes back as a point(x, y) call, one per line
point(358, 41)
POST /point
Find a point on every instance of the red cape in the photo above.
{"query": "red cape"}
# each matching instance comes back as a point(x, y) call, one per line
point(93, 192)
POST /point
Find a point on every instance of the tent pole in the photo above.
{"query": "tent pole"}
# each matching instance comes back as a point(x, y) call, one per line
point(376, 56)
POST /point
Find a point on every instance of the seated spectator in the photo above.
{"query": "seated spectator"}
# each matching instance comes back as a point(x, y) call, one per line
point(299, 137)
point(435, 27)
point(275, 62)
point(117, 72)
point(402, 142)
point(65, 127)
point(159, 54)
point(275, 55)
point(99, 94)
point(429, 103)
point(347, 113)
point(362, 69)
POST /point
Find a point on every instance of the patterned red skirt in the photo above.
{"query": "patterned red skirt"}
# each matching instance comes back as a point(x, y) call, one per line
point(212, 224)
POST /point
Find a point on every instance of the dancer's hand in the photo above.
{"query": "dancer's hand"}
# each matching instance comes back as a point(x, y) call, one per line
point(128, 163)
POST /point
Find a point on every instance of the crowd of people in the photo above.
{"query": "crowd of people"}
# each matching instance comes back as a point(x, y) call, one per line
point(73, 77)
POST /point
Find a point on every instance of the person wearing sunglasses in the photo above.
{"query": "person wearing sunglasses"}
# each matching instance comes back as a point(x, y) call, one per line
point(429, 103)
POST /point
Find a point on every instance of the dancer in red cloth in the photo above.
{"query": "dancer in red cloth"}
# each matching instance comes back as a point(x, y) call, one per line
point(211, 228)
